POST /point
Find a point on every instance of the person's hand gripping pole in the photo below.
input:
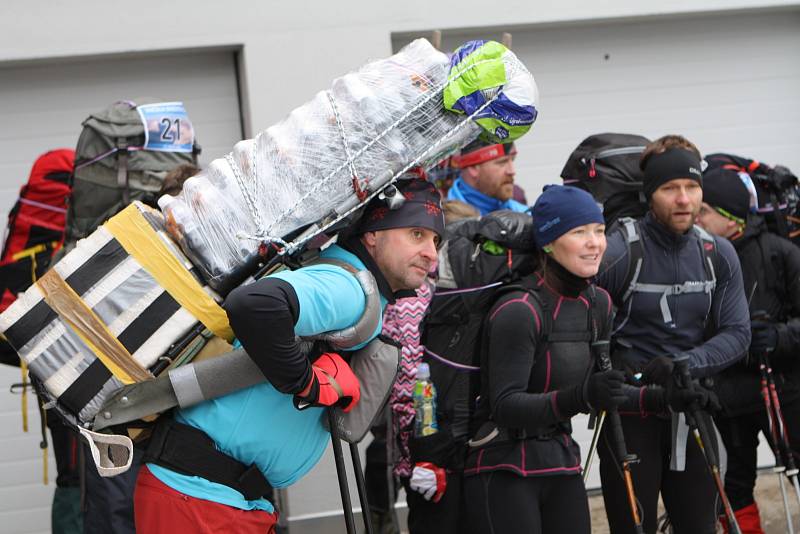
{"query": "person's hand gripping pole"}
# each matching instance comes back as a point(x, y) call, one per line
point(697, 424)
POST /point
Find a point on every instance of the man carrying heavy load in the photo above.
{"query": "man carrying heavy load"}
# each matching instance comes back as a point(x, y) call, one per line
point(234, 448)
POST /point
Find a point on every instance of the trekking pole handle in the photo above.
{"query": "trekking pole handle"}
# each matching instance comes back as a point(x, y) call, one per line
point(703, 437)
point(682, 372)
point(601, 351)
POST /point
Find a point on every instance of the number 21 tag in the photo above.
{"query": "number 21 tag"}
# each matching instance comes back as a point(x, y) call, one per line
point(167, 127)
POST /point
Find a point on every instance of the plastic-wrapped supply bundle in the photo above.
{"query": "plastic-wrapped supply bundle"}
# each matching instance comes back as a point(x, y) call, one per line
point(332, 154)
point(108, 311)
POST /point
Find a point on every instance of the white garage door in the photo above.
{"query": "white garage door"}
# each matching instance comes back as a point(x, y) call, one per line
point(727, 82)
point(42, 107)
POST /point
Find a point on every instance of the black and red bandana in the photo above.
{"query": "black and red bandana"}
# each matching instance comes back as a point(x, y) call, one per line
point(421, 208)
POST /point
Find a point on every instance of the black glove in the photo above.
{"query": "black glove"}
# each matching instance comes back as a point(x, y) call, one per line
point(604, 389)
point(601, 391)
point(653, 399)
point(764, 337)
point(658, 371)
point(682, 399)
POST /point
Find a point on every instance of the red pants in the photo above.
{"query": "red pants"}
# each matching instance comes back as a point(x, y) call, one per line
point(160, 509)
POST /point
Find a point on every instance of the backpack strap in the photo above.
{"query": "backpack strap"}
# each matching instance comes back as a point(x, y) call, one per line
point(546, 334)
point(363, 330)
point(122, 169)
point(773, 269)
point(630, 230)
point(708, 251)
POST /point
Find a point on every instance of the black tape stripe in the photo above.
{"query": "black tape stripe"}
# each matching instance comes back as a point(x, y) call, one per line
point(95, 268)
point(85, 387)
point(92, 271)
point(150, 320)
point(30, 324)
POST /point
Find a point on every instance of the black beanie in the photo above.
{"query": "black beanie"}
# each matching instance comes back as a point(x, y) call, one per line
point(724, 188)
point(672, 164)
point(420, 206)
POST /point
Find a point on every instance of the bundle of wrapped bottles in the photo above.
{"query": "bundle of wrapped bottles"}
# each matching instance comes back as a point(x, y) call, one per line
point(331, 154)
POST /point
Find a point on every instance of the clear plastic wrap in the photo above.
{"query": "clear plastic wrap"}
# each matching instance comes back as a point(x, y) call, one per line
point(321, 162)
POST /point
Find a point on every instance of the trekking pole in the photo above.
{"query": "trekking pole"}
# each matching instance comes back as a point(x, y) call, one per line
point(341, 473)
point(362, 488)
point(701, 435)
point(791, 466)
point(600, 348)
point(598, 426)
point(779, 468)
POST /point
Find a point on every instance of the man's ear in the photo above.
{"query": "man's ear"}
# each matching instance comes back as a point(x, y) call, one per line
point(369, 239)
point(470, 174)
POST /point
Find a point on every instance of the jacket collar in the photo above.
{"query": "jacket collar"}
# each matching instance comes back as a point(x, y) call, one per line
point(755, 227)
point(461, 190)
point(562, 281)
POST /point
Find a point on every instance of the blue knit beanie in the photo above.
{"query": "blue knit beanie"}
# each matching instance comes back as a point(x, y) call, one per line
point(561, 208)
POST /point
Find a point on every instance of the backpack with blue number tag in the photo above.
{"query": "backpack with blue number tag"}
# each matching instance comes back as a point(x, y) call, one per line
point(119, 160)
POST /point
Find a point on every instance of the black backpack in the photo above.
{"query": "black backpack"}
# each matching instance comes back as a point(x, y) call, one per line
point(481, 259)
point(776, 187)
point(607, 166)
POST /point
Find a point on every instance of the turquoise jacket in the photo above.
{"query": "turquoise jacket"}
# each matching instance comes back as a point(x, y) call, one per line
point(259, 425)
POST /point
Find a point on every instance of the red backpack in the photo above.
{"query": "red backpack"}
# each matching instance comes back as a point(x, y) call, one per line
point(35, 225)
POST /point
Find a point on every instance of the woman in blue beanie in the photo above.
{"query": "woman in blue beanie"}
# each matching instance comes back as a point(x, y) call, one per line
point(523, 471)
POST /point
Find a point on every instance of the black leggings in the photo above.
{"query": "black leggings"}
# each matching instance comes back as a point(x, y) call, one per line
point(689, 496)
point(501, 502)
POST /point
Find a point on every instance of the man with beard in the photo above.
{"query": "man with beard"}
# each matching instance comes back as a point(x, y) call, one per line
point(487, 177)
point(678, 291)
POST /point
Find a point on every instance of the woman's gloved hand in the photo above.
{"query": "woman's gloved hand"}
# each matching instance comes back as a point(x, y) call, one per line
point(600, 391)
point(604, 389)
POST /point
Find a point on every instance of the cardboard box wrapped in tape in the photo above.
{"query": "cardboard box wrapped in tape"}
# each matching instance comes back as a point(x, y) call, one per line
point(105, 314)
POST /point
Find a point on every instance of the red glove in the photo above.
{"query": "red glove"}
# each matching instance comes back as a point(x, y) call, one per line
point(428, 479)
point(332, 384)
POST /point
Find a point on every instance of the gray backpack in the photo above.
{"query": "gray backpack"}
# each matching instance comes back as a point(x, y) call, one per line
point(113, 167)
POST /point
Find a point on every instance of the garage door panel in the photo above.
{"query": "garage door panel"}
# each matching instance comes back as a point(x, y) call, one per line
point(728, 82)
point(668, 75)
point(638, 44)
point(748, 116)
point(599, 98)
point(43, 106)
point(206, 74)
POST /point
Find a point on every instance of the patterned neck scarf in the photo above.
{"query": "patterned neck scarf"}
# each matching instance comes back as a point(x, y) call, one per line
point(401, 322)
